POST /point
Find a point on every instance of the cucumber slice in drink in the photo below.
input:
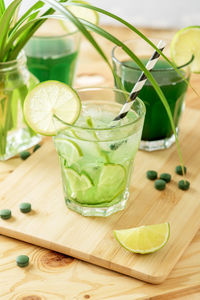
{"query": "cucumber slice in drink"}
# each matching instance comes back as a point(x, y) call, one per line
point(48, 99)
point(69, 150)
point(143, 239)
point(77, 182)
point(186, 43)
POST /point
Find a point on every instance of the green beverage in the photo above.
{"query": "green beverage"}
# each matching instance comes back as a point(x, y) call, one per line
point(97, 159)
point(53, 57)
point(157, 125)
point(50, 68)
point(157, 132)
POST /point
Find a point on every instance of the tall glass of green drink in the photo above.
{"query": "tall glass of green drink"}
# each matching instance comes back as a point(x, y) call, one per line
point(96, 157)
point(52, 54)
point(157, 132)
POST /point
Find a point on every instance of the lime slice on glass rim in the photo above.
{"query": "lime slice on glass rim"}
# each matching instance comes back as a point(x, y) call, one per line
point(47, 100)
point(82, 13)
point(185, 44)
point(144, 239)
point(69, 150)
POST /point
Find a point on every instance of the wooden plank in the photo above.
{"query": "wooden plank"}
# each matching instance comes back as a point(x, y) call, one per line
point(53, 226)
point(53, 276)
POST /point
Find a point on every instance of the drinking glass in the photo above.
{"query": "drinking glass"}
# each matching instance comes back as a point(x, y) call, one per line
point(157, 131)
point(97, 156)
point(53, 57)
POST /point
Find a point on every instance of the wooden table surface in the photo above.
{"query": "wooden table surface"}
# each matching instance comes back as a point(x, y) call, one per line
point(52, 276)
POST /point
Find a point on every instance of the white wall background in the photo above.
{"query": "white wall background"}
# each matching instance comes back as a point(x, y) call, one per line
point(150, 13)
point(154, 13)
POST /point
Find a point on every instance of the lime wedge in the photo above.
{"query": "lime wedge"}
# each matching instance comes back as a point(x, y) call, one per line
point(108, 186)
point(186, 43)
point(77, 182)
point(112, 181)
point(69, 150)
point(80, 12)
point(48, 99)
point(143, 239)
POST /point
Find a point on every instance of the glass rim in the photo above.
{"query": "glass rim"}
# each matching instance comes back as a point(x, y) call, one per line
point(12, 64)
point(105, 101)
point(116, 60)
point(46, 37)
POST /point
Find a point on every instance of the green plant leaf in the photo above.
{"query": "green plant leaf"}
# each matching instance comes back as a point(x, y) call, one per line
point(16, 35)
point(5, 22)
point(130, 26)
point(27, 34)
point(70, 16)
point(30, 14)
point(2, 7)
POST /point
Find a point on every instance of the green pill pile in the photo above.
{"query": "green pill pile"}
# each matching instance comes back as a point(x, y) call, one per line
point(5, 214)
point(22, 261)
point(160, 184)
point(25, 207)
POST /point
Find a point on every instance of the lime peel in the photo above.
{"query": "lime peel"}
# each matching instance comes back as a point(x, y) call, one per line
point(77, 182)
point(144, 239)
point(47, 99)
point(82, 13)
point(68, 149)
point(184, 45)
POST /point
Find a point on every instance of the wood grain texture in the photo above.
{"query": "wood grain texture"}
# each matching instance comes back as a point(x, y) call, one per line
point(53, 226)
point(53, 276)
point(79, 280)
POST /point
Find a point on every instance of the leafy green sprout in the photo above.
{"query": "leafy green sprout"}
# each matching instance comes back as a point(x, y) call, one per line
point(15, 33)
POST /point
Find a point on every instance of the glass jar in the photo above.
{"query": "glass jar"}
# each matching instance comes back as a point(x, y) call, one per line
point(15, 82)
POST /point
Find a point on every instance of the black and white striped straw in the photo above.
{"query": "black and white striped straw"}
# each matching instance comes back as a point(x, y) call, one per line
point(140, 83)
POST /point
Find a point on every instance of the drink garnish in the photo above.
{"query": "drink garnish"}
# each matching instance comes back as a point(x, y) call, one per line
point(48, 99)
point(68, 149)
point(80, 12)
point(144, 239)
point(185, 44)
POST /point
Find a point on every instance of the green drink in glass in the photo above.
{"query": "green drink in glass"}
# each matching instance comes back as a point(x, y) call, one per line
point(53, 57)
point(97, 158)
point(157, 132)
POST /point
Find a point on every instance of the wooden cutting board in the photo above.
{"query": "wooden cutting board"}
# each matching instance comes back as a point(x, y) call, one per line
point(53, 226)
